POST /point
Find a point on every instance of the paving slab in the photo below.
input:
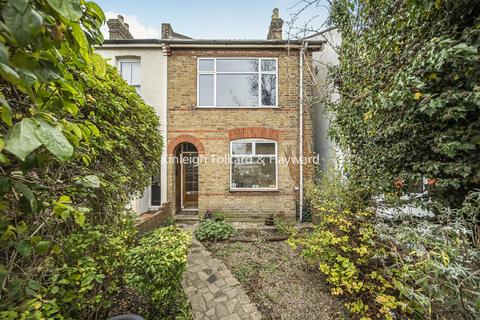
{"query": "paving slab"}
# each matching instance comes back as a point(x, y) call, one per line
point(212, 290)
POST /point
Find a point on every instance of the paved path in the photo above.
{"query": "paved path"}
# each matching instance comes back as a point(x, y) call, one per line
point(212, 290)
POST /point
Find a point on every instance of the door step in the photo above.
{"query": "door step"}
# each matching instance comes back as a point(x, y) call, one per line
point(186, 219)
point(188, 212)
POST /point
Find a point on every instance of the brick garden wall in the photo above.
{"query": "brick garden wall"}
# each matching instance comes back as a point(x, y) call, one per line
point(213, 129)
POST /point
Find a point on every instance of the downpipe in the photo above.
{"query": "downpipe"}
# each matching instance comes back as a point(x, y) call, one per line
point(300, 133)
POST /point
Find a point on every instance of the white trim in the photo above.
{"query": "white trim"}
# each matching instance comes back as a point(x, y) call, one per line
point(138, 60)
point(254, 154)
point(259, 73)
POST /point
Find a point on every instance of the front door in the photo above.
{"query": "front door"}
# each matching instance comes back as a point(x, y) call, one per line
point(189, 171)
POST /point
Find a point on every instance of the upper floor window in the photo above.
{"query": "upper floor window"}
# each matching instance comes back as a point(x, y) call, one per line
point(253, 164)
point(130, 71)
point(237, 82)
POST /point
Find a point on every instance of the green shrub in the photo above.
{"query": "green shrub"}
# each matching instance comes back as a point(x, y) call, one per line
point(435, 263)
point(216, 215)
point(214, 230)
point(408, 99)
point(76, 144)
point(285, 227)
point(170, 221)
point(156, 266)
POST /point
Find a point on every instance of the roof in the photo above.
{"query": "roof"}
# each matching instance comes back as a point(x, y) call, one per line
point(215, 43)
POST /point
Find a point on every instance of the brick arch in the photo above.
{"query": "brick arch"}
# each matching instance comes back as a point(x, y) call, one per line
point(254, 132)
point(185, 138)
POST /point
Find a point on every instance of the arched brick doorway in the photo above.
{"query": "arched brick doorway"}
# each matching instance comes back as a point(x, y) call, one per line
point(186, 177)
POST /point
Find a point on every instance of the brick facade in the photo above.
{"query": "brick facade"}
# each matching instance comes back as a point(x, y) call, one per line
point(212, 129)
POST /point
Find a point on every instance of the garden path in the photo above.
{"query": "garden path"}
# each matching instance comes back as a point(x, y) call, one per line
point(213, 291)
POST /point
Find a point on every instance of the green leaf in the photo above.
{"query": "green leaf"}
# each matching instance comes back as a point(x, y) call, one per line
point(82, 41)
point(5, 111)
point(69, 9)
point(90, 181)
point(21, 140)
point(24, 248)
point(3, 53)
point(4, 184)
point(53, 139)
point(99, 65)
point(9, 74)
point(20, 5)
point(25, 25)
point(92, 6)
point(27, 193)
point(79, 218)
point(42, 247)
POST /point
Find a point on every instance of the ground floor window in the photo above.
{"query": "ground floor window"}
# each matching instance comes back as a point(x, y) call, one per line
point(253, 164)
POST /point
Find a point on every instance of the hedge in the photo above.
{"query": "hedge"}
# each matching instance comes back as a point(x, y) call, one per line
point(76, 144)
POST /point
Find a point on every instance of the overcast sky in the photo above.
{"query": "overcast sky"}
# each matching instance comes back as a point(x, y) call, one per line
point(209, 19)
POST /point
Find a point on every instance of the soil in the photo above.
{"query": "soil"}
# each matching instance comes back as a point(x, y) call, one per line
point(277, 279)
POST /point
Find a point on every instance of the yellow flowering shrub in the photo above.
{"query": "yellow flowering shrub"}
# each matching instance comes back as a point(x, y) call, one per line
point(344, 248)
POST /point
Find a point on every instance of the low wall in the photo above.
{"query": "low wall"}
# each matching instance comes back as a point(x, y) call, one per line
point(153, 219)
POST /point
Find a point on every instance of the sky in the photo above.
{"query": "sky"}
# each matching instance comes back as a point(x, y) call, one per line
point(211, 19)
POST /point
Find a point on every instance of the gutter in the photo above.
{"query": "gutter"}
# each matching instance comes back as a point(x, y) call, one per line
point(204, 43)
point(300, 133)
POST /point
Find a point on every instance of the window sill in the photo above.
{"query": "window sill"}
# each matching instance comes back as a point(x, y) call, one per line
point(254, 190)
point(262, 107)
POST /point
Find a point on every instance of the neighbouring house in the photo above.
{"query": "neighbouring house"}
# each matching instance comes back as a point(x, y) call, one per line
point(235, 119)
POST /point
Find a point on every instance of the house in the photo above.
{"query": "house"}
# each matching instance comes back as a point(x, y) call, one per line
point(235, 120)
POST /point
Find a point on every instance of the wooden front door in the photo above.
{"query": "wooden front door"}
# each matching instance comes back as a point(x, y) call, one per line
point(189, 169)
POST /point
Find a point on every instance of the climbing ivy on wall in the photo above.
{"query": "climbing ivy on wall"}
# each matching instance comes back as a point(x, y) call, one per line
point(76, 144)
point(409, 82)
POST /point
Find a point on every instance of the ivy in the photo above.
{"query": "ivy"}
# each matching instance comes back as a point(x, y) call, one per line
point(409, 81)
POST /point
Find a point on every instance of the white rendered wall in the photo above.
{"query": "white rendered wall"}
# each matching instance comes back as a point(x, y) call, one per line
point(323, 145)
point(153, 65)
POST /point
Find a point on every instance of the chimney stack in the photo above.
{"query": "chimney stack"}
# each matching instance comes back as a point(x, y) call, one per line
point(167, 31)
point(118, 29)
point(275, 30)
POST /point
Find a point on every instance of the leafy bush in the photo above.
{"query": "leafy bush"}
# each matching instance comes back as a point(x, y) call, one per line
point(156, 267)
point(214, 230)
point(396, 268)
point(216, 215)
point(285, 227)
point(408, 106)
point(344, 248)
point(76, 144)
point(435, 263)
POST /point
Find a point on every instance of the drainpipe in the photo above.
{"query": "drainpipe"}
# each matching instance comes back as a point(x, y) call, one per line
point(300, 133)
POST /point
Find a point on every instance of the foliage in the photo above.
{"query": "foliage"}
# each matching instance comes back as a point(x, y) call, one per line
point(343, 246)
point(436, 263)
point(397, 267)
point(285, 227)
point(214, 230)
point(156, 267)
point(409, 83)
point(170, 221)
point(76, 144)
point(215, 214)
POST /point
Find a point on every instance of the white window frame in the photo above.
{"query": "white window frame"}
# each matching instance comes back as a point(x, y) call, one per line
point(254, 154)
point(137, 86)
point(259, 72)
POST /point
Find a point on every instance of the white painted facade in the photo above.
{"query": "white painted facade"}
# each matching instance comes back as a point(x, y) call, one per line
point(322, 60)
point(153, 90)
